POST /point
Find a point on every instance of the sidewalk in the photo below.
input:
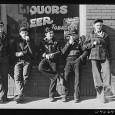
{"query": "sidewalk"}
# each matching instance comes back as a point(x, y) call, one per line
point(44, 103)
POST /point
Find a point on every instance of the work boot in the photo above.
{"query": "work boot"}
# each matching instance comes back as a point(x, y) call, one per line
point(98, 90)
point(103, 99)
point(76, 100)
point(52, 99)
point(64, 99)
point(77, 97)
point(4, 100)
point(19, 98)
point(98, 95)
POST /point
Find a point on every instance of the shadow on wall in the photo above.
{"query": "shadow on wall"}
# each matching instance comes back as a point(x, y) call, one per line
point(111, 33)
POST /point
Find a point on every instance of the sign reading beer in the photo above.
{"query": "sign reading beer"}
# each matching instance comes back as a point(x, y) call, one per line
point(39, 16)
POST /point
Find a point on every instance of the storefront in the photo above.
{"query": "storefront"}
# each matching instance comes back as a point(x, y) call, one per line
point(37, 17)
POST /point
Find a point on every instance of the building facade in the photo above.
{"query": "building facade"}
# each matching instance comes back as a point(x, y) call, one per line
point(39, 16)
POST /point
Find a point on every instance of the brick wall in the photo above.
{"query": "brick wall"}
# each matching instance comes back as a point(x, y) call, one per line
point(107, 13)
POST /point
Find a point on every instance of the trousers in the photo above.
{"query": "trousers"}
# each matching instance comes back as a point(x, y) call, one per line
point(21, 75)
point(48, 68)
point(4, 67)
point(76, 68)
point(101, 73)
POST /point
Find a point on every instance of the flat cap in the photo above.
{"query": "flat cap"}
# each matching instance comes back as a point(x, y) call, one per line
point(73, 31)
point(23, 29)
point(1, 23)
point(98, 20)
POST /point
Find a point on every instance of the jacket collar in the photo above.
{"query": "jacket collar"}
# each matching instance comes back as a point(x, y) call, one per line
point(3, 35)
point(103, 32)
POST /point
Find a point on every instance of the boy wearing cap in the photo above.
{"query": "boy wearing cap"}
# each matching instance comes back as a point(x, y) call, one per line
point(75, 55)
point(98, 42)
point(49, 49)
point(23, 50)
point(4, 64)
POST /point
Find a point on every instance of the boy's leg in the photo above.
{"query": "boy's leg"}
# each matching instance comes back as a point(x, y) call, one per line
point(26, 74)
point(76, 82)
point(46, 69)
point(5, 68)
point(65, 87)
point(18, 71)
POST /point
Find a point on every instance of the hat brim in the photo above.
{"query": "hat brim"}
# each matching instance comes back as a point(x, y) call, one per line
point(96, 21)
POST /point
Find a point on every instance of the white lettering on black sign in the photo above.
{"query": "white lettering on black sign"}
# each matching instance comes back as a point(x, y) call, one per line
point(36, 22)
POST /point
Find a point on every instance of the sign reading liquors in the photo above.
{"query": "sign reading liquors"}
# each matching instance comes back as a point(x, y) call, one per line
point(44, 15)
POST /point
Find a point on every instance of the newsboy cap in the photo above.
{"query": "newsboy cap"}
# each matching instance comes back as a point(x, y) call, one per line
point(23, 29)
point(98, 20)
point(73, 31)
point(1, 23)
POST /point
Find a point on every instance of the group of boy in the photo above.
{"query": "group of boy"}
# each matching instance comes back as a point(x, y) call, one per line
point(96, 46)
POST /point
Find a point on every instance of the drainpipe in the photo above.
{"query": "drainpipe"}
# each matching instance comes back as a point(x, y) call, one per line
point(82, 12)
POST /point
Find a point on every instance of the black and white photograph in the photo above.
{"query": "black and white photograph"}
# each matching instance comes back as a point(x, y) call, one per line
point(57, 56)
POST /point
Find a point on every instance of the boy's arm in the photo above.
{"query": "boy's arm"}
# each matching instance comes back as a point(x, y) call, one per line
point(85, 52)
point(67, 47)
point(31, 47)
point(88, 44)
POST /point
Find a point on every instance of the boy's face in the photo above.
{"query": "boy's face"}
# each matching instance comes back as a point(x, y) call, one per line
point(23, 34)
point(74, 36)
point(98, 26)
point(49, 35)
point(1, 28)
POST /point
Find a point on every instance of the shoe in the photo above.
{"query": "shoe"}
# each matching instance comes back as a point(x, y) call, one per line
point(4, 100)
point(64, 99)
point(18, 101)
point(102, 96)
point(98, 96)
point(7, 99)
point(76, 100)
point(52, 99)
point(1, 101)
point(99, 90)
point(19, 98)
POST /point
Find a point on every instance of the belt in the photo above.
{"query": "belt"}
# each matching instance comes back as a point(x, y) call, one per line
point(72, 58)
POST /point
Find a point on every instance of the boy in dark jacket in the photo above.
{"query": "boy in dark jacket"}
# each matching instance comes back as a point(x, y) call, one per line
point(49, 49)
point(4, 64)
point(23, 50)
point(75, 55)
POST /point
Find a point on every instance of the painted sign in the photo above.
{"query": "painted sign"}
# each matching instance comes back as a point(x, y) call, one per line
point(40, 16)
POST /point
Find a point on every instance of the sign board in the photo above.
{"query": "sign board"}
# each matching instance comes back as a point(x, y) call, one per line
point(38, 16)
point(70, 24)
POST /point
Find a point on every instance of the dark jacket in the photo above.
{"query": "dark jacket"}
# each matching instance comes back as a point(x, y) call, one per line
point(74, 51)
point(4, 45)
point(20, 45)
point(48, 47)
point(102, 50)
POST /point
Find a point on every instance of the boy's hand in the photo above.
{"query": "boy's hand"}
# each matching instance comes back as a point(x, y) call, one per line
point(27, 38)
point(18, 54)
point(44, 55)
point(95, 42)
point(47, 56)
point(71, 40)
point(51, 55)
